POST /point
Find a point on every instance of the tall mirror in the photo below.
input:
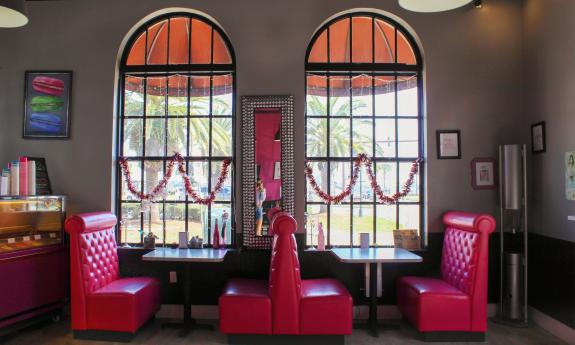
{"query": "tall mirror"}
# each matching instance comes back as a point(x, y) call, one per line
point(267, 164)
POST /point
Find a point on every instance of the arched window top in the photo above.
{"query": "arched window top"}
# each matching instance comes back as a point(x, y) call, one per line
point(179, 39)
point(362, 38)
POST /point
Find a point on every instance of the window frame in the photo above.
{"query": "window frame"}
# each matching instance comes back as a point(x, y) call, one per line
point(373, 69)
point(189, 70)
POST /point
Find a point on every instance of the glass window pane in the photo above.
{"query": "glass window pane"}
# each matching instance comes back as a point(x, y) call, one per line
point(384, 42)
point(339, 96)
point(340, 225)
point(362, 190)
point(199, 95)
point(320, 174)
point(137, 54)
point(198, 173)
point(362, 103)
point(199, 137)
point(177, 136)
point(222, 137)
point(339, 135)
point(316, 214)
point(385, 224)
point(201, 46)
point(130, 223)
point(154, 221)
point(223, 214)
point(362, 39)
point(225, 193)
point(316, 137)
point(384, 96)
point(158, 43)
point(339, 41)
point(407, 97)
point(405, 53)
point(340, 175)
point(362, 222)
point(222, 99)
point(318, 52)
point(404, 169)
point(175, 215)
point(134, 96)
point(409, 217)
point(153, 173)
point(179, 40)
point(198, 221)
point(385, 138)
point(408, 134)
point(386, 175)
point(178, 95)
point(221, 52)
point(362, 136)
point(316, 98)
point(156, 96)
point(155, 137)
point(136, 173)
point(175, 190)
point(133, 143)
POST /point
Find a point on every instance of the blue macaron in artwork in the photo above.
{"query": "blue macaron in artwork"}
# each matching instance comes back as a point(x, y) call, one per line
point(46, 123)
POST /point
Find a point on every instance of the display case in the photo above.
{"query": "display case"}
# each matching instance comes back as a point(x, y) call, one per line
point(31, 223)
point(33, 259)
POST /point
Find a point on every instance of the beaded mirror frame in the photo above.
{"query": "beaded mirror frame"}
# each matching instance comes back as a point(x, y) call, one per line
point(249, 106)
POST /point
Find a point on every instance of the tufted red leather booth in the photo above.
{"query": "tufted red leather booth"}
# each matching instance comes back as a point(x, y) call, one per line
point(456, 302)
point(285, 304)
point(101, 300)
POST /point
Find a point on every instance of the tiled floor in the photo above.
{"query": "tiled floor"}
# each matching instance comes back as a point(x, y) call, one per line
point(154, 334)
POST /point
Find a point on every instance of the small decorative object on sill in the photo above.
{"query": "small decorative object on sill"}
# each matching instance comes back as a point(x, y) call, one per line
point(216, 240)
point(150, 241)
point(364, 240)
point(406, 239)
point(196, 242)
point(320, 237)
point(225, 217)
point(183, 240)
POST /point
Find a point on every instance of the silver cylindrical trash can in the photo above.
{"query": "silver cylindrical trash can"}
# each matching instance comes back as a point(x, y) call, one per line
point(513, 287)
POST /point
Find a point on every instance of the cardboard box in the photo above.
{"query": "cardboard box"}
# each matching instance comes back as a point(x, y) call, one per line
point(407, 239)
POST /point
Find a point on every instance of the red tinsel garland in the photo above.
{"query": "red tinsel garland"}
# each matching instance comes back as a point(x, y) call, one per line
point(358, 161)
point(159, 188)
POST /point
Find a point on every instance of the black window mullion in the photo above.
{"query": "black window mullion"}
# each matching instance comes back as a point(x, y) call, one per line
point(210, 154)
point(328, 163)
point(396, 111)
point(188, 131)
point(351, 128)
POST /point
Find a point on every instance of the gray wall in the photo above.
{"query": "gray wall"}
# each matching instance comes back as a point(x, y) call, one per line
point(550, 97)
point(473, 61)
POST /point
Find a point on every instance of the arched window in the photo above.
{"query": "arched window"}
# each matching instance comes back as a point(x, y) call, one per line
point(177, 94)
point(363, 95)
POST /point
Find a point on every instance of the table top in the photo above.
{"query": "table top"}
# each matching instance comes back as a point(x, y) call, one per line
point(186, 255)
point(378, 255)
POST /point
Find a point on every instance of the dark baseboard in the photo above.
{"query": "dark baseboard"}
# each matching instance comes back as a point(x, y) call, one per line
point(122, 337)
point(452, 336)
point(257, 339)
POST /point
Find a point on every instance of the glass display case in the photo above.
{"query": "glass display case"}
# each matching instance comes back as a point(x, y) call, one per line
point(31, 222)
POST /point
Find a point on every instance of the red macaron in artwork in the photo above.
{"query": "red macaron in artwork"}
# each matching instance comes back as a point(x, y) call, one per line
point(48, 85)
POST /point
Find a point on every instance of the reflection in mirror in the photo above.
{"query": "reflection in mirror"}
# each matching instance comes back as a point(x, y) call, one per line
point(268, 165)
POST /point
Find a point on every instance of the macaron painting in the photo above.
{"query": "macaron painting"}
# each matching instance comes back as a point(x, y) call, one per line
point(47, 105)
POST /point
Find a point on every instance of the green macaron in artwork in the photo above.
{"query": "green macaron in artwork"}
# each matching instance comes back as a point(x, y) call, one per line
point(43, 104)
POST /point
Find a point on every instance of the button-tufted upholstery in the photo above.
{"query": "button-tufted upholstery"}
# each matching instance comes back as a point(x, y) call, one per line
point(101, 300)
point(457, 301)
point(288, 305)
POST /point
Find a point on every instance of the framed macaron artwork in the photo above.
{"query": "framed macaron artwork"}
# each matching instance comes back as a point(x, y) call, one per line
point(47, 97)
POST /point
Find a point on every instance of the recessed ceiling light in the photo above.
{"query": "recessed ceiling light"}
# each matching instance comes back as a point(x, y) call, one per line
point(432, 5)
point(12, 13)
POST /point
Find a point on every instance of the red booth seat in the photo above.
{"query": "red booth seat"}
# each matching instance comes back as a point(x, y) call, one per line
point(285, 304)
point(101, 300)
point(456, 302)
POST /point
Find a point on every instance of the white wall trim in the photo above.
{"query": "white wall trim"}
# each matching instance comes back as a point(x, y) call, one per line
point(557, 328)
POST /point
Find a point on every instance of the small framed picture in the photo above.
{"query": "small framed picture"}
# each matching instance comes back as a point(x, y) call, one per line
point(47, 97)
point(538, 137)
point(483, 173)
point(448, 144)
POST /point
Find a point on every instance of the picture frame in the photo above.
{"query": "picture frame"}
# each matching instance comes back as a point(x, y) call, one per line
point(538, 140)
point(448, 144)
point(47, 99)
point(483, 173)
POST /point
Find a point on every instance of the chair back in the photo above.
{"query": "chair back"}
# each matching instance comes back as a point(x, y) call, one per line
point(465, 259)
point(93, 258)
point(285, 279)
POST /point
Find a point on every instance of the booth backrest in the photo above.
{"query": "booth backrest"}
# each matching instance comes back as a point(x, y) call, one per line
point(465, 259)
point(93, 258)
point(285, 279)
